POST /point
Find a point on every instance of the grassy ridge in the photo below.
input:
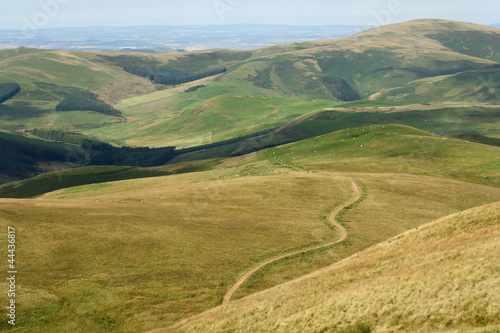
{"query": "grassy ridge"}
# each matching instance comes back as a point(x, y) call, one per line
point(140, 254)
point(191, 237)
point(477, 86)
point(380, 148)
point(403, 63)
point(357, 114)
point(392, 148)
point(484, 120)
point(388, 287)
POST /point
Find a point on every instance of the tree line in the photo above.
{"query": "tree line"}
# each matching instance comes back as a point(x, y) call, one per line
point(193, 89)
point(105, 154)
point(96, 152)
point(86, 101)
point(8, 90)
point(21, 155)
point(340, 89)
point(60, 136)
point(167, 76)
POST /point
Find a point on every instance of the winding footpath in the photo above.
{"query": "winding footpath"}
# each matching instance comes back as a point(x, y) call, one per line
point(333, 221)
point(227, 298)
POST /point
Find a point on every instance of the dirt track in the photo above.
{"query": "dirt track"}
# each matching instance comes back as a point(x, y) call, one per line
point(227, 298)
point(332, 218)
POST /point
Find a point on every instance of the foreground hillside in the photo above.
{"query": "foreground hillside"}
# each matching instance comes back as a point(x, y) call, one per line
point(441, 277)
point(139, 254)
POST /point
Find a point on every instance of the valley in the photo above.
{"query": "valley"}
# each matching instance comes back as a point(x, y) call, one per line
point(345, 185)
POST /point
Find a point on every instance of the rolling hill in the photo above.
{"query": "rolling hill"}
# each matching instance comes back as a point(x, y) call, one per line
point(411, 283)
point(140, 254)
point(392, 148)
point(297, 128)
point(424, 61)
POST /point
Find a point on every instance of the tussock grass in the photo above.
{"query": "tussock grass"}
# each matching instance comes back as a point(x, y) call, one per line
point(138, 254)
point(128, 255)
point(442, 276)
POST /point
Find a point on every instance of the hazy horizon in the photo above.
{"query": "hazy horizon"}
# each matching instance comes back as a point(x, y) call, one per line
point(364, 13)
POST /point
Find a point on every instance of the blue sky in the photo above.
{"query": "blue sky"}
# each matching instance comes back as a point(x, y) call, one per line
point(60, 13)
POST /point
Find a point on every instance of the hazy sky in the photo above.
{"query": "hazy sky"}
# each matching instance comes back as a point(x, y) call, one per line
point(16, 14)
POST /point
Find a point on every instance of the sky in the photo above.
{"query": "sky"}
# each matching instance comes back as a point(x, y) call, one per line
point(17, 14)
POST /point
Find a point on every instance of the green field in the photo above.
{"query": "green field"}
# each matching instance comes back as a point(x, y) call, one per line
point(127, 249)
point(145, 253)
point(392, 148)
point(202, 122)
point(261, 89)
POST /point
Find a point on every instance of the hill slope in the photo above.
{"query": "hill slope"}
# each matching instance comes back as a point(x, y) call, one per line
point(391, 148)
point(439, 277)
point(420, 61)
point(145, 253)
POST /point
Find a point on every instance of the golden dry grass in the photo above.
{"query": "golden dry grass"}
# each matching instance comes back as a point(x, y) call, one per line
point(394, 203)
point(147, 253)
point(127, 256)
point(140, 254)
point(440, 277)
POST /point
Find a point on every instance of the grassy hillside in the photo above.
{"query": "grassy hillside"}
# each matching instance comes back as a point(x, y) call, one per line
point(436, 278)
point(477, 86)
point(156, 249)
point(145, 253)
point(378, 148)
point(200, 122)
point(448, 120)
point(431, 118)
point(140, 254)
point(424, 61)
point(369, 63)
point(392, 148)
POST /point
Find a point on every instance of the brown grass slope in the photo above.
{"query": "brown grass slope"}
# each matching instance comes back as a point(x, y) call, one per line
point(440, 277)
point(146, 253)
